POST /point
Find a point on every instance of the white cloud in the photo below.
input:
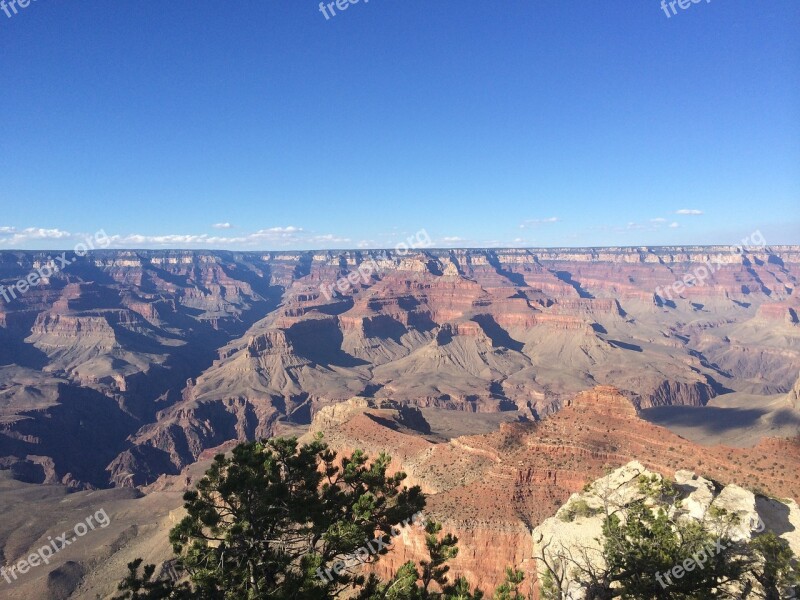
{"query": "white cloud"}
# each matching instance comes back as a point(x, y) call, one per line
point(651, 225)
point(19, 238)
point(173, 240)
point(289, 229)
point(674, 225)
point(270, 238)
point(688, 211)
point(38, 233)
point(450, 241)
point(537, 222)
point(225, 225)
point(329, 238)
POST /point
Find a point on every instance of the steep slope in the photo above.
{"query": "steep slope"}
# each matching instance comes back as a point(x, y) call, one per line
point(492, 490)
point(198, 348)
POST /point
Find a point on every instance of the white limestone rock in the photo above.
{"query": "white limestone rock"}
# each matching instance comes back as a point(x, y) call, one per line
point(740, 502)
point(701, 495)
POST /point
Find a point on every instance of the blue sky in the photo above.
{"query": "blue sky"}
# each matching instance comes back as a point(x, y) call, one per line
point(512, 123)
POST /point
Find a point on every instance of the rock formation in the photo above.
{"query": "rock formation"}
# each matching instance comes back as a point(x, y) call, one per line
point(576, 529)
point(493, 490)
point(265, 342)
point(794, 395)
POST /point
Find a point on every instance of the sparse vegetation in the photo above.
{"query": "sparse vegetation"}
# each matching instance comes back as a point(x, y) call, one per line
point(645, 539)
point(275, 519)
point(577, 508)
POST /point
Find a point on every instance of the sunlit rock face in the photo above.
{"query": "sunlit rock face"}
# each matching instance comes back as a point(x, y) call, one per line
point(576, 530)
point(169, 353)
point(493, 490)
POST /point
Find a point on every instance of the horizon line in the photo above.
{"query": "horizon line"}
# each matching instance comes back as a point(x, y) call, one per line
point(765, 247)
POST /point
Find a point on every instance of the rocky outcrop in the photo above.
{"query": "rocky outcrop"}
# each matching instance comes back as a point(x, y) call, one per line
point(576, 530)
point(184, 434)
point(794, 395)
point(332, 416)
point(782, 312)
point(493, 490)
point(671, 393)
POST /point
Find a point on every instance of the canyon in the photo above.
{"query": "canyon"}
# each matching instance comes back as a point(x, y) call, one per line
point(151, 357)
point(501, 381)
point(492, 490)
